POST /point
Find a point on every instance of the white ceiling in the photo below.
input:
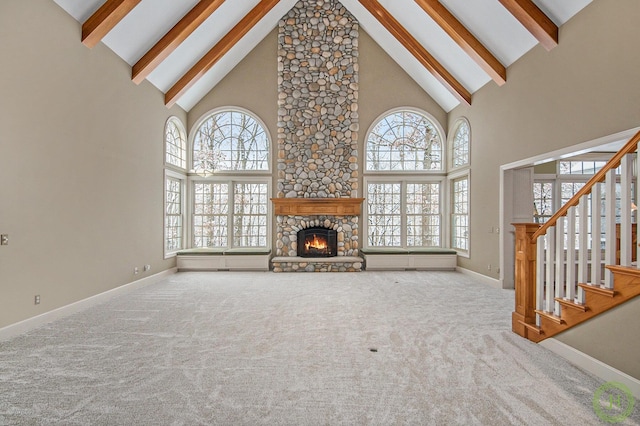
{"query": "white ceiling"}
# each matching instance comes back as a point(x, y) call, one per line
point(487, 20)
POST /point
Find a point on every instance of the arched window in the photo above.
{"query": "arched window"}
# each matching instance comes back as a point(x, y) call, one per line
point(175, 147)
point(175, 141)
point(404, 140)
point(460, 144)
point(404, 202)
point(230, 140)
point(231, 186)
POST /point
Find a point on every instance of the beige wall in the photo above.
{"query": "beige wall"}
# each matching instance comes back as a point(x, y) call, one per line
point(585, 88)
point(81, 153)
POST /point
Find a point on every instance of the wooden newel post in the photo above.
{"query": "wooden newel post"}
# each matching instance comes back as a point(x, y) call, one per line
point(525, 278)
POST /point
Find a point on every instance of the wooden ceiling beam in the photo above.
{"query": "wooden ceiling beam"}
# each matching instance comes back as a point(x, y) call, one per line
point(170, 42)
point(218, 51)
point(534, 20)
point(463, 37)
point(417, 50)
point(104, 19)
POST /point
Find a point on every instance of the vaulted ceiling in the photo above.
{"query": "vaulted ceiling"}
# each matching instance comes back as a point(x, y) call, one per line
point(451, 48)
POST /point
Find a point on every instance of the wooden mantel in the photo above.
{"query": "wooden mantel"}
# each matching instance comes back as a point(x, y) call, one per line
point(317, 206)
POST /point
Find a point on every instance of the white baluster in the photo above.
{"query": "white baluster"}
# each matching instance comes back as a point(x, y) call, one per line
point(596, 250)
point(626, 172)
point(610, 225)
point(560, 265)
point(570, 278)
point(550, 284)
point(583, 245)
point(540, 275)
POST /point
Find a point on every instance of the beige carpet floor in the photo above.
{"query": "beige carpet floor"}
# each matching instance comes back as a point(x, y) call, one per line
point(240, 348)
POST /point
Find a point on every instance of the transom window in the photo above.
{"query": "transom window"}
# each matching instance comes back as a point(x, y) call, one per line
point(460, 144)
point(175, 143)
point(404, 141)
point(230, 141)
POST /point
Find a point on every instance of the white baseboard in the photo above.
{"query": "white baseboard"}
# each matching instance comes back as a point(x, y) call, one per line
point(64, 311)
point(592, 365)
point(493, 282)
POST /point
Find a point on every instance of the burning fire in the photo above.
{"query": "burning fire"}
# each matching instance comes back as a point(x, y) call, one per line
point(316, 244)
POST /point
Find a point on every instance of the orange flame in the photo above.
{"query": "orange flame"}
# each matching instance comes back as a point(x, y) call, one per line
point(316, 244)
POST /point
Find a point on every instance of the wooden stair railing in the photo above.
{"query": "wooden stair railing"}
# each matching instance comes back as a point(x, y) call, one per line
point(555, 291)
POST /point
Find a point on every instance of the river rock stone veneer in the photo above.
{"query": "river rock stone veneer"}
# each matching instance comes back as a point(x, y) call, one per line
point(318, 101)
point(317, 127)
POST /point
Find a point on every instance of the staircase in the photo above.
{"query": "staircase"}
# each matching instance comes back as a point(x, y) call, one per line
point(563, 275)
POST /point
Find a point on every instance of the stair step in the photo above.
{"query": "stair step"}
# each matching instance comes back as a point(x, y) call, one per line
point(531, 327)
point(572, 304)
point(609, 292)
point(550, 316)
point(624, 270)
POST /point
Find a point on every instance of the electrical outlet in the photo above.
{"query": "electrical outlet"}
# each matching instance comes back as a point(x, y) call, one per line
point(4, 240)
point(497, 230)
point(136, 270)
point(36, 299)
point(147, 267)
point(488, 267)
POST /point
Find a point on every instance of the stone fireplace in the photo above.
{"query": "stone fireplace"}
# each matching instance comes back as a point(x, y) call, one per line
point(317, 157)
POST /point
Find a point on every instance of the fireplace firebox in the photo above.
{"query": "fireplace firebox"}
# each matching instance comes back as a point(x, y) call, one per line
point(317, 242)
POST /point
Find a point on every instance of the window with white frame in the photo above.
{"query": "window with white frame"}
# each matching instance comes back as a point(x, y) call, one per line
point(542, 201)
point(460, 213)
point(461, 144)
point(404, 140)
point(404, 180)
point(230, 141)
point(230, 214)
point(174, 215)
point(175, 143)
point(174, 185)
point(403, 213)
point(231, 185)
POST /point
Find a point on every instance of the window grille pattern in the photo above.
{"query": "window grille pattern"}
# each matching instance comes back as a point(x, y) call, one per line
point(401, 214)
point(175, 144)
point(542, 201)
point(461, 145)
point(230, 140)
point(460, 214)
point(250, 215)
point(384, 214)
point(230, 214)
point(423, 214)
point(210, 214)
point(404, 141)
point(173, 215)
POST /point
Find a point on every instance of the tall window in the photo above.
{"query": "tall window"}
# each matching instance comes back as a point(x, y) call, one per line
point(174, 185)
point(459, 179)
point(173, 214)
point(460, 213)
point(232, 181)
point(404, 141)
point(460, 144)
point(404, 179)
